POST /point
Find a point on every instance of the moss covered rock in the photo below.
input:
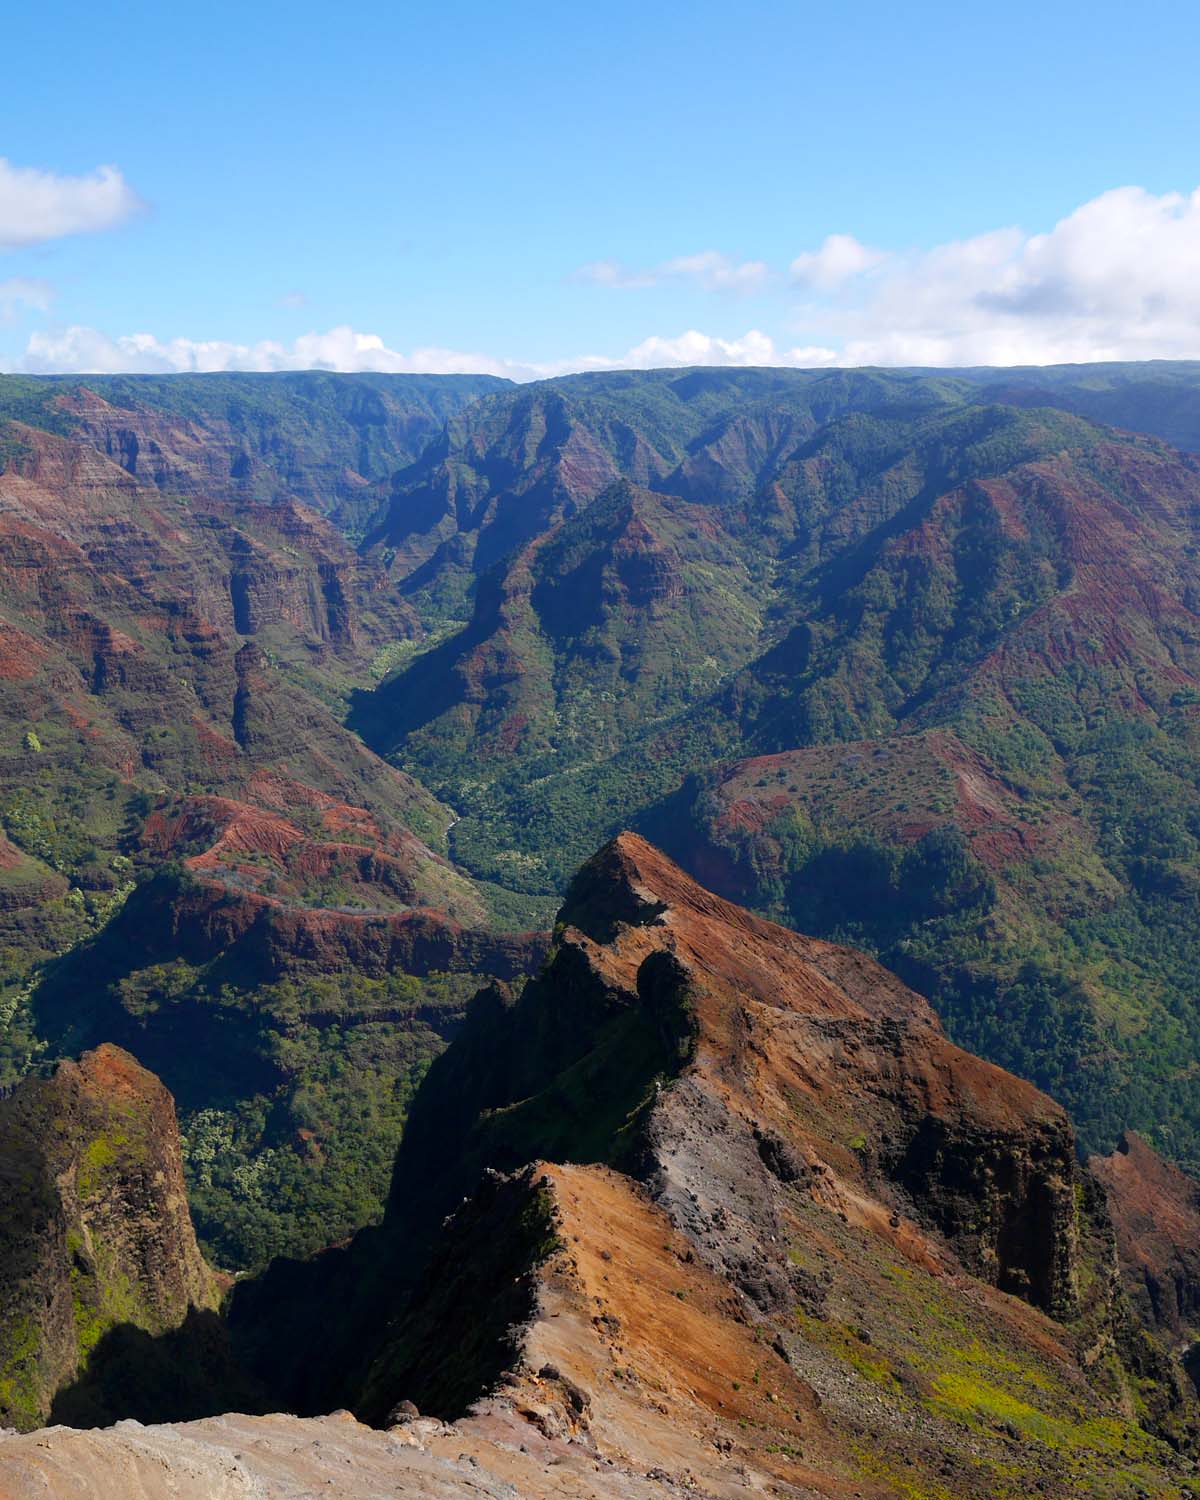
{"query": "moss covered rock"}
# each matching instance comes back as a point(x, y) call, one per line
point(95, 1233)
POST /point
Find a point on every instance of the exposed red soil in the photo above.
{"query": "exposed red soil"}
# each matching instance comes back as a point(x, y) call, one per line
point(277, 936)
point(20, 655)
point(863, 785)
point(734, 953)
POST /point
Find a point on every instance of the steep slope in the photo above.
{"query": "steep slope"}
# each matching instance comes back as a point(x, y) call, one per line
point(175, 668)
point(94, 1227)
point(581, 641)
point(882, 1375)
point(171, 637)
point(160, 645)
point(777, 1231)
point(324, 440)
point(1156, 1212)
point(999, 599)
point(788, 1240)
point(1008, 824)
point(785, 1047)
point(174, 608)
point(293, 1035)
point(519, 462)
point(754, 578)
point(1158, 397)
point(905, 658)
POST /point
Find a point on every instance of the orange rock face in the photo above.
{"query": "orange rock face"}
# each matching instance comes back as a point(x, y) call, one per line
point(807, 1063)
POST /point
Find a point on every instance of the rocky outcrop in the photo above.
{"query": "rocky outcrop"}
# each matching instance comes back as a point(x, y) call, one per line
point(241, 564)
point(327, 441)
point(564, 1304)
point(789, 1060)
point(95, 1234)
point(137, 621)
point(589, 1352)
point(264, 937)
point(1155, 1210)
point(907, 611)
point(793, 1209)
point(267, 590)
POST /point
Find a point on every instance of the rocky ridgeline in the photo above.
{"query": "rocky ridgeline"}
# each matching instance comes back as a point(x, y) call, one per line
point(705, 1206)
point(249, 565)
point(792, 1061)
point(709, 1207)
point(329, 442)
point(724, 1202)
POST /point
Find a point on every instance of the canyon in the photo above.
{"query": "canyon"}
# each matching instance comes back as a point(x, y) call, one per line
point(738, 1219)
point(831, 1131)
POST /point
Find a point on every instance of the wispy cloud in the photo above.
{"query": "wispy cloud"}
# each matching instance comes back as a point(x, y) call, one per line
point(840, 258)
point(36, 206)
point(708, 269)
point(20, 293)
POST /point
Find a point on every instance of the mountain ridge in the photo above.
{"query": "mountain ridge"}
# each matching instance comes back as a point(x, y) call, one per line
point(812, 1246)
point(726, 586)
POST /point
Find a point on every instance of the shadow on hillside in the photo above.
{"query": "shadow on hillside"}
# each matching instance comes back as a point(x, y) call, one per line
point(179, 1376)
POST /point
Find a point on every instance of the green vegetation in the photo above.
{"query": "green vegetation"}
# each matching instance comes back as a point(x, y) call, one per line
point(1042, 977)
point(957, 1379)
point(20, 1375)
point(473, 1301)
point(292, 1094)
point(585, 604)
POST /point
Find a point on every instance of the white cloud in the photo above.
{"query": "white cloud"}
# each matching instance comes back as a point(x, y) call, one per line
point(840, 257)
point(1119, 278)
point(37, 206)
point(612, 273)
point(1115, 279)
point(709, 269)
point(79, 350)
point(19, 292)
point(695, 348)
point(717, 273)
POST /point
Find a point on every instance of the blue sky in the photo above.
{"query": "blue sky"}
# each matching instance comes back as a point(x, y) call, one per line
point(535, 187)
